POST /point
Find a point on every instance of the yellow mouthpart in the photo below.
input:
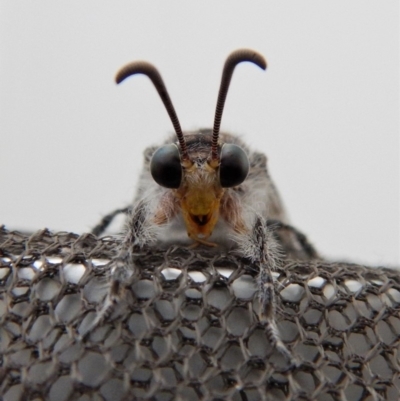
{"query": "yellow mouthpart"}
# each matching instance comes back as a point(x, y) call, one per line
point(200, 209)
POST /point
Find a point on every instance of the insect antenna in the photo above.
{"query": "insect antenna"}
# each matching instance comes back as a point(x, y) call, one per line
point(231, 62)
point(142, 67)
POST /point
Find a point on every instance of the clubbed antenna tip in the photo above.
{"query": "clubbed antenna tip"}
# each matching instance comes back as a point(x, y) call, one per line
point(231, 62)
point(142, 67)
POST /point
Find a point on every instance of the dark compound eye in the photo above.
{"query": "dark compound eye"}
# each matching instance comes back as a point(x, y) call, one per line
point(234, 166)
point(165, 166)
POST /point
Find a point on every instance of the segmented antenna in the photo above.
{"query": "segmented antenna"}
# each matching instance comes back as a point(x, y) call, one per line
point(142, 67)
point(231, 62)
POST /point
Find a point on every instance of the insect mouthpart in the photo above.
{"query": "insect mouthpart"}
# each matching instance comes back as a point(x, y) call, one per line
point(200, 219)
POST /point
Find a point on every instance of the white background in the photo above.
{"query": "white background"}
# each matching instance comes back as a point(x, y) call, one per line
point(325, 112)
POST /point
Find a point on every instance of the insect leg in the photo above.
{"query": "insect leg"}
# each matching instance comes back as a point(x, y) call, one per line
point(294, 242)
point(268, 258)
point(106, 220)
point(138, 231)
point(123, 265)
point(268, 302)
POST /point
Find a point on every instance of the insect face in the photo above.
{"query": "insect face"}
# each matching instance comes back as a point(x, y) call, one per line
point(198, 169)
point(200, 185)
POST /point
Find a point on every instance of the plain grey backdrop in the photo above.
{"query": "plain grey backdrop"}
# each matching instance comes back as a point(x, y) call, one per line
point(325, 111)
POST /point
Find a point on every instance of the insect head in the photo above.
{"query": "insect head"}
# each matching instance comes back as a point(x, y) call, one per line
point(198, 175)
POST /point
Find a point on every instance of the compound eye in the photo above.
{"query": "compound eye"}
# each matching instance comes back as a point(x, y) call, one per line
point(234, 166)
point(165, 166)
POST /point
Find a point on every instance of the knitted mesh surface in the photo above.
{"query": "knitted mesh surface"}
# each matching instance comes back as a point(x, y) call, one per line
point(187, 326)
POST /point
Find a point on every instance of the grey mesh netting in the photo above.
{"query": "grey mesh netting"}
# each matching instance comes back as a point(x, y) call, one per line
point(187, 327)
